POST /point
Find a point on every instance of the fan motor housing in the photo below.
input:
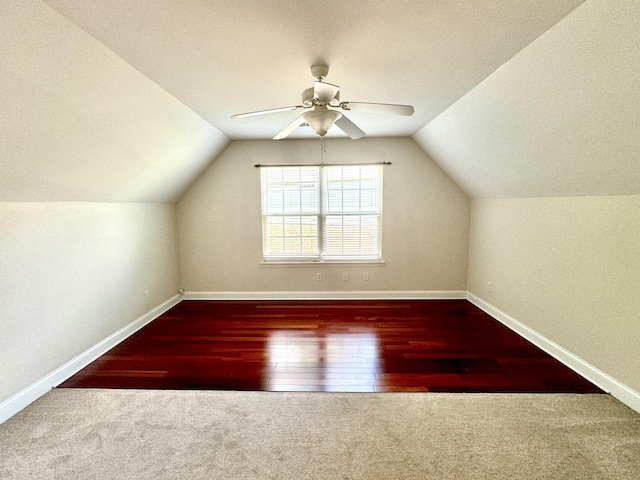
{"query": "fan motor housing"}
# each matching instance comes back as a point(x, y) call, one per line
point(308, 98)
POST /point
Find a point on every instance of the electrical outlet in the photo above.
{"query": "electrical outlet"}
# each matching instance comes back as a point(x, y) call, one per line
point(318, 277)
point(345, 277)
point(365, 276)
point(146, 295)
point(489, 286)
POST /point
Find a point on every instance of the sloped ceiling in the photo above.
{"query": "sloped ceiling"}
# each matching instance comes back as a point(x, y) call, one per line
point(221, 57)
point(562, 118)
point(78, 123)
point(115, 100)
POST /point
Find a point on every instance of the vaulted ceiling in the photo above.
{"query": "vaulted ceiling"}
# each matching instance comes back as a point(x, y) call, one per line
point(115, 100)
point(221, 57)
point(559, 119)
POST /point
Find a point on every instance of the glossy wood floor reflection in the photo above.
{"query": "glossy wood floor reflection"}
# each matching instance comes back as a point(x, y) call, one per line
point(354, 346)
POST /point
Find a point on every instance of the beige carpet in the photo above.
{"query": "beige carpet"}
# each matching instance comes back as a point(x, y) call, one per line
point(138, 434)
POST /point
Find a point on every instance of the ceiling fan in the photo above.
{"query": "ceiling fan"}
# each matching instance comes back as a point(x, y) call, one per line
point(324, 109)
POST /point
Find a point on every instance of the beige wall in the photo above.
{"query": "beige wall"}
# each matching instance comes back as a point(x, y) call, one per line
point(425, 222)
point(568, 268)
point(71, 274)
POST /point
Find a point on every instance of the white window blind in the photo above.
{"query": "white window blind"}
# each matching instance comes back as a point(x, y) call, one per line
point(351, 209)
point(329, 213)
point(290, 212)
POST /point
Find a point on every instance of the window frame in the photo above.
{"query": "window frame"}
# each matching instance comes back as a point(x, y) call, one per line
point(321, 213)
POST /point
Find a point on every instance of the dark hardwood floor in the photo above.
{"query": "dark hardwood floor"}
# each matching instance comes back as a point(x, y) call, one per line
point(354, 346)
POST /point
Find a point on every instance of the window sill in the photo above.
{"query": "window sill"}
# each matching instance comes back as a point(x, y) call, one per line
point(356, 263)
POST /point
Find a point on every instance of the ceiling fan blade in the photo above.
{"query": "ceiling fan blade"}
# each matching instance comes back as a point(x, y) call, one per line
point(350, 128)
point(387, 108)
point(263, 112)
point(289, 128)
point(324, 92)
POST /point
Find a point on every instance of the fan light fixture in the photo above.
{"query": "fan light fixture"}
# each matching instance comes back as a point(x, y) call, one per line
point(322, 102)
point(321, 120)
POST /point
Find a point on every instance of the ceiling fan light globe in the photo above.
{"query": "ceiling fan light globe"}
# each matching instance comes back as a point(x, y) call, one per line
point(307, 97)
point(321, 120)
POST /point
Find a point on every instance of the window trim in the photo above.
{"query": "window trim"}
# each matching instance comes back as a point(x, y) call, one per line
point(314, 263)
point(301, 260)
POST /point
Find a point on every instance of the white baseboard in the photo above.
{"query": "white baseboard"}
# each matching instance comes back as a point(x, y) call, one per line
point(22, 399)
point(335, 295)
point(25, 397)
point(626, 395)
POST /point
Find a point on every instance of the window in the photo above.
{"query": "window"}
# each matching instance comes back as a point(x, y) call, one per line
point(328, 213)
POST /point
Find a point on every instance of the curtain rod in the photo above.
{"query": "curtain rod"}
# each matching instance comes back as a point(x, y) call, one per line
point(323, 164)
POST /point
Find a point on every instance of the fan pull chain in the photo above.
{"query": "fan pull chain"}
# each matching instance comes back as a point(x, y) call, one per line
point(322, 150)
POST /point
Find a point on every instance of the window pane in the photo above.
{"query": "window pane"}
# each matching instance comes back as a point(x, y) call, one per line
point(352, 189)
point(310, 245)
point(352, 236)
point(291, 198)
point(309, 227)
point(351, 201)
point(275, 246)
point(274, 229)
point(291, 226)
point(292, 245)
point(292, 190)
point(290, 236)
point(369, 200)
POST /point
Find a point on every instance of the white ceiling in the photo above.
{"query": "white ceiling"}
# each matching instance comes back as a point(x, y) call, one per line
point(128, 101)
point(222, 57)
point(560, 119)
